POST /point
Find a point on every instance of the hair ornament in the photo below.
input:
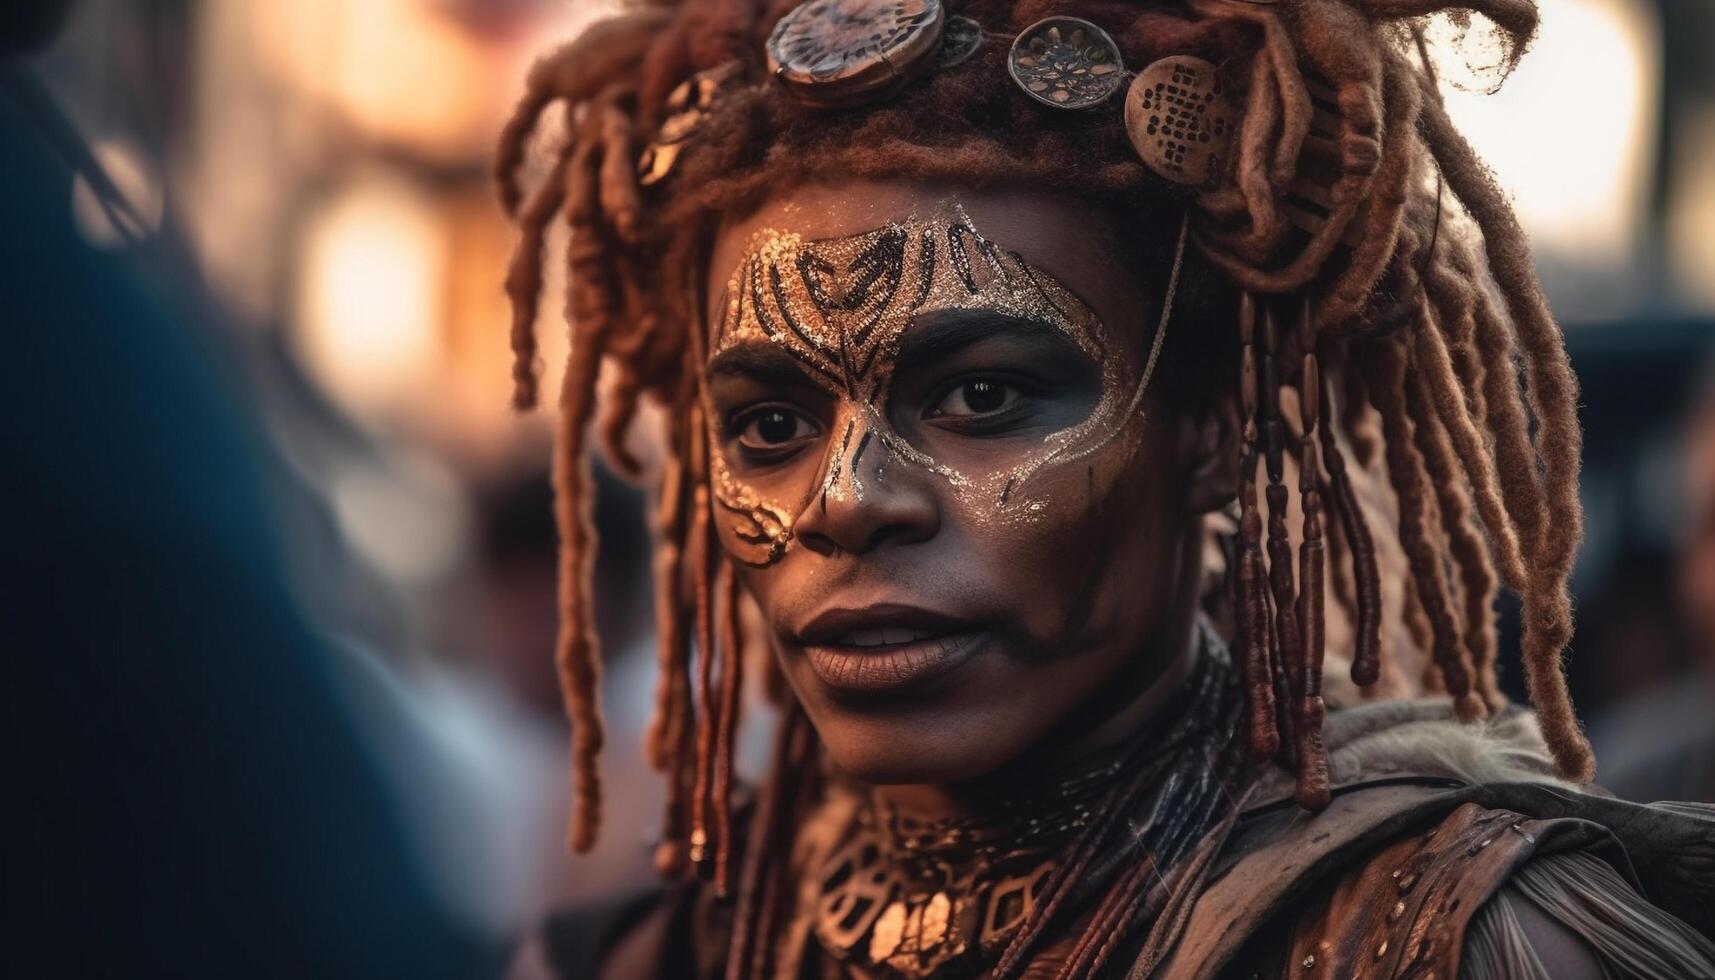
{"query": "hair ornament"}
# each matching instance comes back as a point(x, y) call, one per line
point(1181, 120)
point(959, 40)
point(1067, 63)
point(835, 53)
point(687, 105)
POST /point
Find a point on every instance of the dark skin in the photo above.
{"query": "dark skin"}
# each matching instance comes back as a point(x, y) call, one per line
point(1079, 619)
point(1083, 617)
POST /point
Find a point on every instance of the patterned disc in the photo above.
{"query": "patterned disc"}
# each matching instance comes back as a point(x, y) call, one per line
point(843, 52)
point(961, 39)
point(1180, 120)
point(1067, 63)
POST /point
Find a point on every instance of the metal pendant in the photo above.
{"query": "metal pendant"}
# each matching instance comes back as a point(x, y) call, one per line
point(1180, 120)
point(832, 53)
point(1066, 62)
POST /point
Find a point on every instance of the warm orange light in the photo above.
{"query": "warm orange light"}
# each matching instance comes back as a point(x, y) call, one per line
point(370, 293)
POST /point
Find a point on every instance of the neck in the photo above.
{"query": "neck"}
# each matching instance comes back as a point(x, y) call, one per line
point(1120, 707)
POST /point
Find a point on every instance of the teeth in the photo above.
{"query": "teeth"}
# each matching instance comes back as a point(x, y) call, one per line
point(883, 636)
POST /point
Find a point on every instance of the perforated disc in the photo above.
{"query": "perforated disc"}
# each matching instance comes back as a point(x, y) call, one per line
point(843, 52)
point(1180, 119)
point(1066, 62)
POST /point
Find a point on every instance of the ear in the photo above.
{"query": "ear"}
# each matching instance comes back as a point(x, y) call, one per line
point(1209, 445)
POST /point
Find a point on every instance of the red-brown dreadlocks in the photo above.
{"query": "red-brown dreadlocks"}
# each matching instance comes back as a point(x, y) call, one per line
point(1379, 281)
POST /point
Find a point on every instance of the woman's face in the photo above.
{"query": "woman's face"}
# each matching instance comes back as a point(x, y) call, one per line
point(938, 469)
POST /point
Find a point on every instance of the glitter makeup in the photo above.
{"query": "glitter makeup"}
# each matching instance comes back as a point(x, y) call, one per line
point(840, 308)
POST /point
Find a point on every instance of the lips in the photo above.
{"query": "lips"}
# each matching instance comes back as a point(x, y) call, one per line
point(886, 648)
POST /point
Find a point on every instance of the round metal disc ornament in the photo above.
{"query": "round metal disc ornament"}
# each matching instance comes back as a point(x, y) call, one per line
point(959, 40)
point(1066, 62)
point(834, 53)
point(1181, 120)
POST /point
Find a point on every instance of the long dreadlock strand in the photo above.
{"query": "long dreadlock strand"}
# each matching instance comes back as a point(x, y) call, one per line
point(731, 695)
point(1441, 388)
point(1554, 390)
point(702, 576)
point(1470, 556)
point(1253, 602)
point(620, 201)
point(524, 279)
point(1276, 97)
point(670, 642)
point(1410, 483)
point(769, 830)
point(1288, 641)
point(1449, 437)
point(591, 311)
point(1509, 423)
point(571, 73)
point(1366, 574)
point(1313, 790)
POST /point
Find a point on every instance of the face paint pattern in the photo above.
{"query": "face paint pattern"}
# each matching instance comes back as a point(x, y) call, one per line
point(839, 307)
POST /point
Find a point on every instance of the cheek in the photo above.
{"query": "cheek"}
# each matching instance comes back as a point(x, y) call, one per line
point(1089, 558)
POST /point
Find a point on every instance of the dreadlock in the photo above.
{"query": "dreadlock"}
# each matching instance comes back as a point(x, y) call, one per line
point(1380, 282)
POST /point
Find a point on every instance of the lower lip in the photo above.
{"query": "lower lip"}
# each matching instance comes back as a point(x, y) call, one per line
point(880, 670)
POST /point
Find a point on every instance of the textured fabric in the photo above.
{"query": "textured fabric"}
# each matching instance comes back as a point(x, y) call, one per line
point(1404, 911)
point(1496, 947)
point(1629, 936)
point(1401, 769)
point(1633, 868)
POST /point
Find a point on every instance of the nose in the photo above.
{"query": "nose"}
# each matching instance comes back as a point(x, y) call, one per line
point(867, 497)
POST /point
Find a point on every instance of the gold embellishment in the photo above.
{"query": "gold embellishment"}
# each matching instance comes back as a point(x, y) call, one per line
point(894, 896)
point(840, 307)
point(889, 932)
point(687, 105)
point(908, 899)
point(1066, 62)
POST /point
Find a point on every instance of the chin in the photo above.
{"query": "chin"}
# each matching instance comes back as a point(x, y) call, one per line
point(884, 754)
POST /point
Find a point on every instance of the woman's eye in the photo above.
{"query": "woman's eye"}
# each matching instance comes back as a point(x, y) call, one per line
point(979, 396)
point(773, 428)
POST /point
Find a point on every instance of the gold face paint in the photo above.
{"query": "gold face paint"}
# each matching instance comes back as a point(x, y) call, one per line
point(840, 306)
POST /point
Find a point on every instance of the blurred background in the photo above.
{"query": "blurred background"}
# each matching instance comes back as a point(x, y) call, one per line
point(308, 193)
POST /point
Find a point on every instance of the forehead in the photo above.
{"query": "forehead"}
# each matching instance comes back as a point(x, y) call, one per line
point(1075, 242)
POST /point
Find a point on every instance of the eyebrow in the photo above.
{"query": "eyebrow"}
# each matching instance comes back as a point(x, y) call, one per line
point(760, 361)
point(944, 332)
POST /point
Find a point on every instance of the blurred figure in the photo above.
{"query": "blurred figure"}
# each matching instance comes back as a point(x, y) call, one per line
point(191, 795)
point(1660, 744)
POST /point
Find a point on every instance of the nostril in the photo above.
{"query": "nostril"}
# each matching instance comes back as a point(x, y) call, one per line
point(819, 543)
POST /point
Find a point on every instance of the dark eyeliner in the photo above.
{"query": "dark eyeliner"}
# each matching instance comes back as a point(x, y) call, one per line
point(1027, 405)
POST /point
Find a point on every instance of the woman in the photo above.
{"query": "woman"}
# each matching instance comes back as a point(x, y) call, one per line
point(976, 326)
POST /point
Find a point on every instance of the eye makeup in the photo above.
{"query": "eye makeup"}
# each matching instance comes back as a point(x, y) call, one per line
point(851, 314)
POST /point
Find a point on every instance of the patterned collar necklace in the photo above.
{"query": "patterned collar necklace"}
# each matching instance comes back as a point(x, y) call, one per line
point(908, 898)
